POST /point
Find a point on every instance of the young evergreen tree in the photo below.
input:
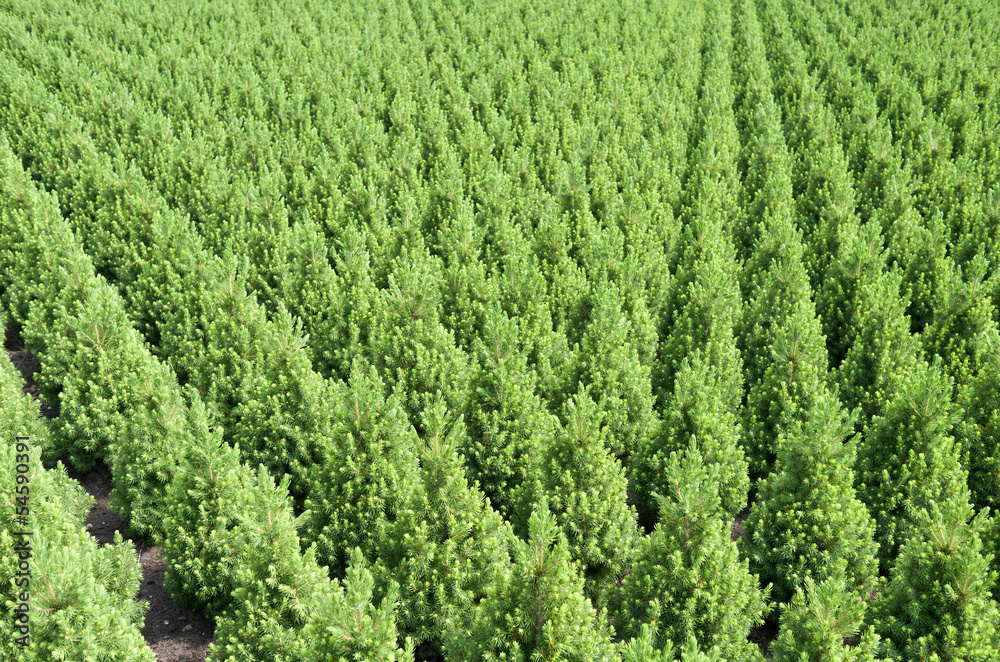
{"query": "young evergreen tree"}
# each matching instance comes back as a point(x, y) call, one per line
point(777, 285)
point(520, 290)
point(80, 596)
point(345, 625)
point(963, 327)
point(447, 545)
point(466, 291)
point(860, 259)
point(608, 366)
point(817, 620)
point(321, 287)
point(696, 410)
point(938, 604)
point(907, 458)
point(411, 349)
point(978, 431)
point(705, 305)
point(537, 611)
point(883, 349)
point(807, 521)
point(585, 488)
point(274, 584)
point(506, 419)
point(202, 505)
point(688, 578)
point(358, 478)
point(918, 247)
point(353, 317)
point(792, 382)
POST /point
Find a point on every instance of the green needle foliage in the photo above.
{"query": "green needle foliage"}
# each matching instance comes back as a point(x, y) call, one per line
point(446, 545)
point(792, 383)
point(608, 365)
point(938, 604)
point(979, 431)
point(696, 410)
point(199, 520)
point(585, 488)
point(688, 578)
point(357, 480)
point(882, 350)
point(412, 350)
point(860, 259)
point(81, 596)
point(704, 310)
point(778, 287)
point(907, 458)
point(963, 329)
point(819, 618)
point(644, 649)
point(345, 626)
point(506, 419)
point(537, 611)
point(807, 521)
point(918, 247)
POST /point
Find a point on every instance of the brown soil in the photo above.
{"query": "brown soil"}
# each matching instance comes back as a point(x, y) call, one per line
point(173, 633)
point(27, 366)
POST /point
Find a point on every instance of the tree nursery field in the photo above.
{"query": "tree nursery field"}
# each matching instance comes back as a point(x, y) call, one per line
point(526, 331)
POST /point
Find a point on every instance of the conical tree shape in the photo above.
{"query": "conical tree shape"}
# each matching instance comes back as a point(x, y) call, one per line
point(200, 518)
point(696, 409)
point(882, 348)
point(979, 431)
point(919, 247)
point(537, 612)
point(345, 624)
point(585, 488)
point(907, 459)
point(938, 604)
point(359, 477)
point(860, 259)
point(505, 417)
point(447, 546)
point(608, 366)
point(807, 521)
point(705, 306)
point(963, 328)
point(688, 578)
point(778, 286)
point(792, 382)
point(819, 617)
point(412, 350)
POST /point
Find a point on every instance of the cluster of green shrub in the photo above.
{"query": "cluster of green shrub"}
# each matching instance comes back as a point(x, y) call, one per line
point(501, 330)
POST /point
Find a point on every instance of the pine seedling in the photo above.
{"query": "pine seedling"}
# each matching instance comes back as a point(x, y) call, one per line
point(807, 521)
point(688, 578)
point(586, 490)
point(537, 611)
point(819, 618)
point(938, 604)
